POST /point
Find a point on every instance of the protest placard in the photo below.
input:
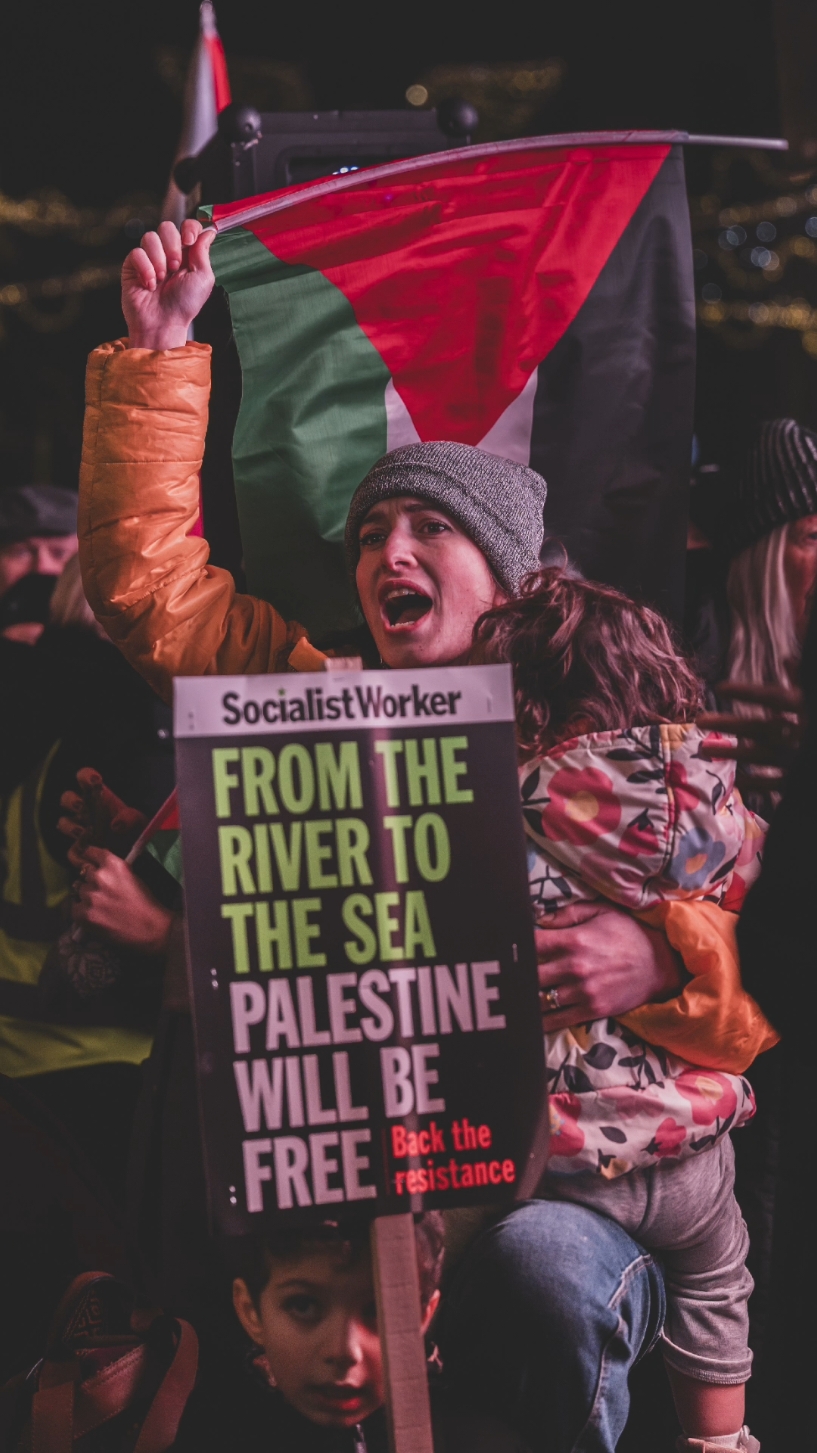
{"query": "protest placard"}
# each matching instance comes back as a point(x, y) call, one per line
point(360, 941)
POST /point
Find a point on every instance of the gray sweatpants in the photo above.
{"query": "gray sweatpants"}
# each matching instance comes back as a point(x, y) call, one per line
point(687, 1215)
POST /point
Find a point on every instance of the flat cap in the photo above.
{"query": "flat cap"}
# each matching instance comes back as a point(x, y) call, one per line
point(36, 509)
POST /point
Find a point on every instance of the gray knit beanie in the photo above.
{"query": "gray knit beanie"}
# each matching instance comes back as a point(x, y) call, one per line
point(498, 503)
point(779, 483)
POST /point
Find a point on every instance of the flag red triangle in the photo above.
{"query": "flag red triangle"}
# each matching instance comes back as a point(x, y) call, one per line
point(165, 820)
point(465, 276)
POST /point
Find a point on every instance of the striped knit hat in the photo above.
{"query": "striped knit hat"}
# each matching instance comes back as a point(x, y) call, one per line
point(779, 484)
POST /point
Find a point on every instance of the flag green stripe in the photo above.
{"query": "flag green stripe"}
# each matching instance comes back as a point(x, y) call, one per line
point(311, 424)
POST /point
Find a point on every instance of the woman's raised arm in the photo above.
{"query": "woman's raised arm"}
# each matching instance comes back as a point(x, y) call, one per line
point(165, 283)
point(148, 580)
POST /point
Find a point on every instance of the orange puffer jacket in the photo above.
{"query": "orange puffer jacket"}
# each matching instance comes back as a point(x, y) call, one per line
point(147, 579)
point(172, 614)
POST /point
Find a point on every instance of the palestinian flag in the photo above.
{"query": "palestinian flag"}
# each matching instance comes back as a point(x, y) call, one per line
point(206, 93)
point(531, 297)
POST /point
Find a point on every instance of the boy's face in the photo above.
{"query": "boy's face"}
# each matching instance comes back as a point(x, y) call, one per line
point(317, 1323)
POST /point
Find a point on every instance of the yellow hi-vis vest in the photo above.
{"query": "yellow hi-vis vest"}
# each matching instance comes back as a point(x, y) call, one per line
point(32, 1041)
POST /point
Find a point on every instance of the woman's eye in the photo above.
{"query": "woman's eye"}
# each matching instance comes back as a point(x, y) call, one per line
point(372, 537)
point(435, 527)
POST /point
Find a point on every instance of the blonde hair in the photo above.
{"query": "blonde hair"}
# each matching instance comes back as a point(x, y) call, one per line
point(68, 604)
point(764, 640)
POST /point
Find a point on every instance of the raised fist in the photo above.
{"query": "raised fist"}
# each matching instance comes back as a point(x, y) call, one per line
point(165, 284)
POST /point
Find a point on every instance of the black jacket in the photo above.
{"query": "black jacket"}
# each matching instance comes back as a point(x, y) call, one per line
point(778, 956)
point(244, 1414)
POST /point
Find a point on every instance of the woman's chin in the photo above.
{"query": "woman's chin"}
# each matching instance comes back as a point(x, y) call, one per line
point(420, 645)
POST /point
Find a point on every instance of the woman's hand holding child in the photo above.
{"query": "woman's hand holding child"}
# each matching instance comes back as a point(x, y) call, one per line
point(598, 961)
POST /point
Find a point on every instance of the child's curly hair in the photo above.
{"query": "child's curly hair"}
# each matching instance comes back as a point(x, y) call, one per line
point(585, 658)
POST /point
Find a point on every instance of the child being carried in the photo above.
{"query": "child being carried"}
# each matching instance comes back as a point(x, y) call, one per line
point(621, 803)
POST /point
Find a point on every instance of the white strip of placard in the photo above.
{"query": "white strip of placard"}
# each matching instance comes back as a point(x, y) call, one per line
point(209, 706)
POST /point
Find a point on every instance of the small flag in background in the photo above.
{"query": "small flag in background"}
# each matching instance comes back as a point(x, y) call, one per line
point(531, 298)
point(206, 93)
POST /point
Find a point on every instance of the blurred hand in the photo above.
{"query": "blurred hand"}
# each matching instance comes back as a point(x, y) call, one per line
point(165, 284)
point(769, 740)
point(602, 962)
point(109, 897)
point(80, 823)
point(26, 633)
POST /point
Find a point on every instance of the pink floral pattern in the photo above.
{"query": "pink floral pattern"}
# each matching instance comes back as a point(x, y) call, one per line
point(662, 820)
point(566, 1136)
point(638, 817)
point(710, 1093)
point(582, 806)
point(668, 1138)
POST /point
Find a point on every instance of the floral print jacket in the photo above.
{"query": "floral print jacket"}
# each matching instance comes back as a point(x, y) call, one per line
point(637, 817)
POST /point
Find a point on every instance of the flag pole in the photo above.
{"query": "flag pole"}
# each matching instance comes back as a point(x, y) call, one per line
point(292, 197)
point(206, 93)
point(405, 1377)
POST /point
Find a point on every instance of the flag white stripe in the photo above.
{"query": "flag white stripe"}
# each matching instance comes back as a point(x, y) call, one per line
point(510, 436)
point(200, 115)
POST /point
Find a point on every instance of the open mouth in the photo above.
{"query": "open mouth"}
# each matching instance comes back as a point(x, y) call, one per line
point(404, 607)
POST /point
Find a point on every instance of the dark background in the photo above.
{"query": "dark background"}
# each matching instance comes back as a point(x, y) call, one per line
point(90, 98)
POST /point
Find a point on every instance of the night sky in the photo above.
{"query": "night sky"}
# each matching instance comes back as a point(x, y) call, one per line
point(84, 108)
point(87, 109)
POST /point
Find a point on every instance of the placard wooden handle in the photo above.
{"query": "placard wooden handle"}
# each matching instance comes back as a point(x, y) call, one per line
point(397, 1287)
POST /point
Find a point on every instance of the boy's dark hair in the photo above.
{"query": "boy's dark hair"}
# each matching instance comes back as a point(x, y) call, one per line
point(585, 658)
point(351, 1241)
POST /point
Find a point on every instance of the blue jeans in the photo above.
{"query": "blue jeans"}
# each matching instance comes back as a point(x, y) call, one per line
point(544, 1319)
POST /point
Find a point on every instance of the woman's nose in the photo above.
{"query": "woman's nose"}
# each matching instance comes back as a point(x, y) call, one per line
point(398, 548)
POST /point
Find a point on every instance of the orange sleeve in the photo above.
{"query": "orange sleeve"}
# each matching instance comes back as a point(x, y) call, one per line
point(147, 579)
point(713, 1023)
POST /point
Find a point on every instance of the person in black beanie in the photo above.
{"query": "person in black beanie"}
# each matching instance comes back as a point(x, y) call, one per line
point(773, 539)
